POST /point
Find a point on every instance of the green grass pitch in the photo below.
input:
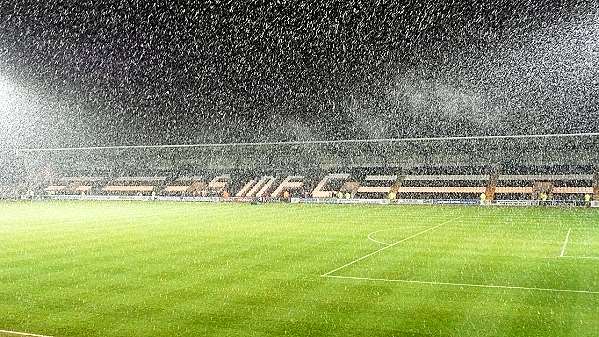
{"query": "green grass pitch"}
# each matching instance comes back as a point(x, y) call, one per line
point(193, 269)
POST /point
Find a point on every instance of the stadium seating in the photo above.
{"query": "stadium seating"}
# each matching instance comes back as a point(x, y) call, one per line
point(246, 188)
point(186, 186)
point(55, 188)
point(320, 192)
point(572, 190)
point(372, 186)
point(134, 185)
point(74, 185)
point(217, 185)
point(424, 186)
point(511, 186)
point(572, 184)
point(387, 182)
point(128, 188)
point(257, 187)
point(447, 189)
point(267, 186)
point(350, 186)
point(290, 183)
point(513, 190)
point(515, 186)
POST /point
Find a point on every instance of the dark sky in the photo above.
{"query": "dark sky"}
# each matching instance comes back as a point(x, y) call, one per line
point(97, 73)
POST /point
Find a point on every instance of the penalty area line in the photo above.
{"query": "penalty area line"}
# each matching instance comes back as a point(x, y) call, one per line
point(389, 246)
point(491, 286)
point(375, 240)
point(563, 252)
point(17, 333)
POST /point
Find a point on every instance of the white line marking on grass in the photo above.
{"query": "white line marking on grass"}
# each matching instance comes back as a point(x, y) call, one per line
point(375, 240)
point(390, 245)
point(371, 234)
point(563, 252)
point(21, 333)
point(581, 257)
point(464, 284)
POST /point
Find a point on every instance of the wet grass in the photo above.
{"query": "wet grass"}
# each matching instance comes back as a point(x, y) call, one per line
point(190, 269)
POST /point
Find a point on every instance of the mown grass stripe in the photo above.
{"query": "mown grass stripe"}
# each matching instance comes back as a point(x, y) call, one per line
point(464, 284)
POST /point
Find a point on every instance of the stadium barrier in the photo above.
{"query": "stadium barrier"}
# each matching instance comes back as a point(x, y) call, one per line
point(515, 202)
point(339, 201)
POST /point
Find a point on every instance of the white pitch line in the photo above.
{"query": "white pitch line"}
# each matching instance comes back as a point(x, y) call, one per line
point(465, 284)
point(22, 333)
point(375, 240)
point(563, 252)
point(581, 257)
point(390, 245)
point(371, 238)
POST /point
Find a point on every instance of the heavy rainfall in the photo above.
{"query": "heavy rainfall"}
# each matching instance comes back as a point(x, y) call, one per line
point(478, 103)
point(97, 74)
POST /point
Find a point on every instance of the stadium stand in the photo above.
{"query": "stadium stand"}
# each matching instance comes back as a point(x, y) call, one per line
point(246, 188)
point(257, 187)
point(443, 186)
point(83, 184)
point(515, 186)
point(267, 187)
point(74, 185)
point(290, 184)
point(379, 185)
point(134, 185)
point(186, 186)
point(572, 184)
point(573, 187)
point(218, 185)
point(54, 189)
point(560, 167)
point(351, 187)
point(332, 181)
